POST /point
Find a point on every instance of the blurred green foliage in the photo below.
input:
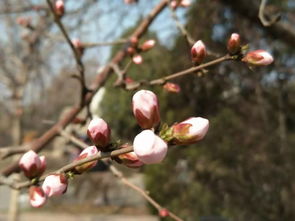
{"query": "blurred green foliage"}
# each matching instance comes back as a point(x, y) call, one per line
point(243, 169)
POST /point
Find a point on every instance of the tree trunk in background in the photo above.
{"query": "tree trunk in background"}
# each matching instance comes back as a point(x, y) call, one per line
point(281, 115)
point(16, 134)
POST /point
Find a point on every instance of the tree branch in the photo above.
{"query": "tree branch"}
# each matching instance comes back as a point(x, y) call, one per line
point(77, 56)
point(101, 78)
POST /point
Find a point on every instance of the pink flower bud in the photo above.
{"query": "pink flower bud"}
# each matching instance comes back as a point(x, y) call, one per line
point(131, 50)
point(258, 57)
point(146, 109)
point(163, 212)
point(37, 197)
point(149, 147)
point(43, 164)
point(134, 40)
point(137, 59)
point(32, 165)
point(99, 132)
point(129, 159)
point(78, 46)
point(190, 130)
point(198, 52)
point(147, 45)
point(59, 8)
point(23, 21)
point(128, 80)
point(180, 3)
point(185, 3)
point(87, 152)
point(234, 43)
point(171, 87)
point(55, 185)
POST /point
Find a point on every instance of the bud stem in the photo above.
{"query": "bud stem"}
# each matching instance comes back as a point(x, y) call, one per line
point(190, 70)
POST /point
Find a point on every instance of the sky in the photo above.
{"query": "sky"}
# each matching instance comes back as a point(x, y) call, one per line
point(105, 20)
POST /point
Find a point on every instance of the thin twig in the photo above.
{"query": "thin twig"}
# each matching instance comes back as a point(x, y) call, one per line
point(163, 80)
point(142, 192)
point(107, 43)
point(181, 27)
point(190, 70)
point(10, 151)
point(77, 56)
point(73, 139)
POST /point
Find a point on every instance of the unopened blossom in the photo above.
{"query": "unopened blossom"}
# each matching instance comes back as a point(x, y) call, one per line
point(128, 80)
point(131, 50)
point(163, 212)
point(37, 196)
point(149, 148)
point(55, 185)
point(32, 165)
point(180, 3)
point(133, 41)
point(78, 46)
point(137, 59)
point(147, 45)
point(24, 21)
point(258, 58)
point(99, 132)
point(198, 52)
point(172, 87)
point(146, 109)
point(234, 43)
point(129, 159)
point(190, 130)
point(87, 152)
point(59, 8)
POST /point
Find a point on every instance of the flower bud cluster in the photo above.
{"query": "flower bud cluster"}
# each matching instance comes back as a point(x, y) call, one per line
point(148, 146)
point(253, 58)
point(134, 49)
point(33, 167)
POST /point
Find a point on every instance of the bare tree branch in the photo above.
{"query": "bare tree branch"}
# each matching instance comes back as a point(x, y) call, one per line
point(101, 78)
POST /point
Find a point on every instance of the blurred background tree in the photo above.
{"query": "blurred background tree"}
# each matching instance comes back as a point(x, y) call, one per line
point(243, 170)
